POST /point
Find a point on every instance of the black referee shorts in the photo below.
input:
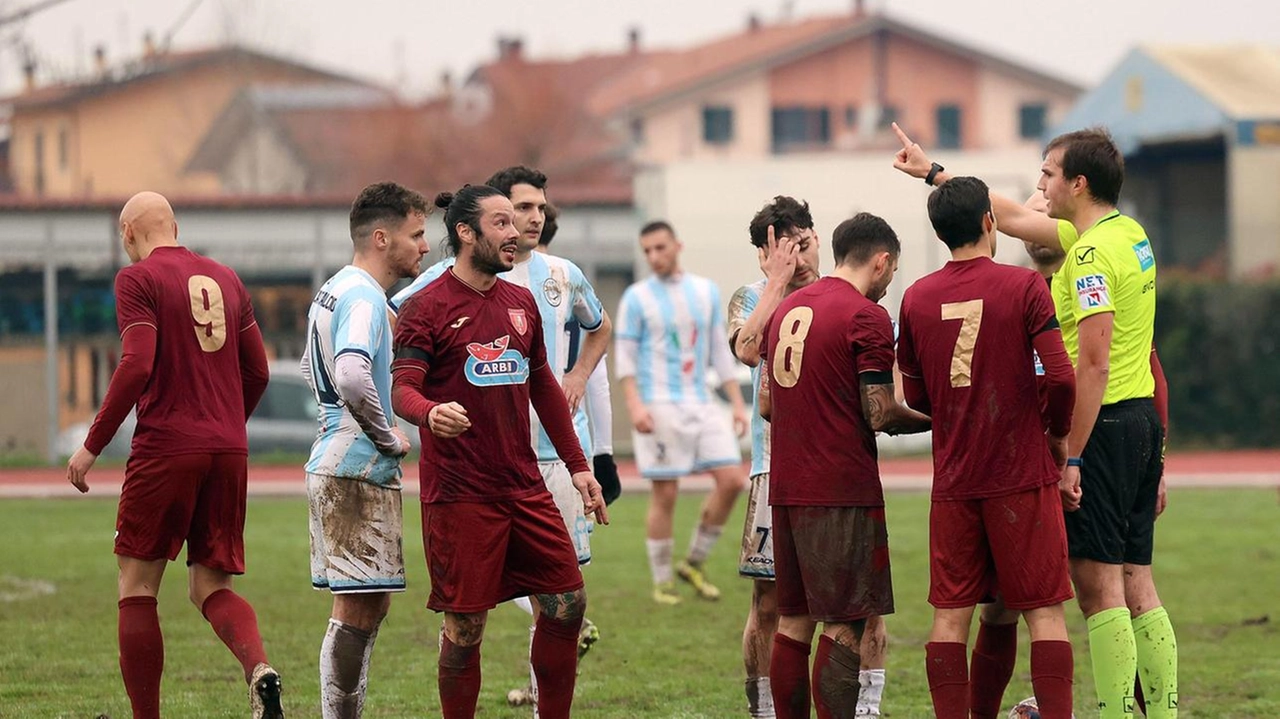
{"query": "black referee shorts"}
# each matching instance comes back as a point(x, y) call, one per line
point(1119, 479)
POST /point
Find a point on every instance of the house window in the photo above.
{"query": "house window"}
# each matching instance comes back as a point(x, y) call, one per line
point(850, 116)
point(948, 117)
point(888, 116)
point(39, 161)
point(717, 125)
point(637, 131)
point(1031, 120)
point(63, 148)
point(800, 128)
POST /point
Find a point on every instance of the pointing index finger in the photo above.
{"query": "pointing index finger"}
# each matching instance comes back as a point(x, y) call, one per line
point(902, 136)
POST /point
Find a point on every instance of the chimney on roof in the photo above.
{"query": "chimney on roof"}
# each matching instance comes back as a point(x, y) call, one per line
point(859, 8)
point(148, 45)
point(753, 22)
point(446, 83)
point(510, 49)
point(100, 60)
point(29, 74)
point(633, 39)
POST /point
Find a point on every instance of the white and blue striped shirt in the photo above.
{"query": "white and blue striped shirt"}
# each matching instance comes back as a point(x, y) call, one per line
point(670, 330)
point(348, 314)
point(567, 303)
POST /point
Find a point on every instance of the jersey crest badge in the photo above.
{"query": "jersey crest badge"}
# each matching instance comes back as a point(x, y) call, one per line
point(518, 321)
point(551, 290)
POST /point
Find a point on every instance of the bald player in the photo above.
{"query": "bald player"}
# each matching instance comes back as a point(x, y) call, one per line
point(193, 363)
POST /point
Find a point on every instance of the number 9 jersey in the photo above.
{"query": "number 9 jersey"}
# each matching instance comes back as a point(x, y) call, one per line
point(818, 343)
point(194, 402)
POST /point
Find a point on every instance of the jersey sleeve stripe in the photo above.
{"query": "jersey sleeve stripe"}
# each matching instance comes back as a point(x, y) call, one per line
point(138, 324)
point(353, 350)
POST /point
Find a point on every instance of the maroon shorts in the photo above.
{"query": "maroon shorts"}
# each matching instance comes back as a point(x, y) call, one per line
point(1015, 545)
point(480, 554)
point(832, 563)
point(192, 498)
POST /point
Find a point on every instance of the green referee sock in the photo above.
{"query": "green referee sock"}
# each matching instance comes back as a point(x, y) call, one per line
point(1115, 662)
point(1157, 662)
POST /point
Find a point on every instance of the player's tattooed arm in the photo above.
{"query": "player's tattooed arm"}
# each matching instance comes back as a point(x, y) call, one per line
point(563, 607)
point(884, 412)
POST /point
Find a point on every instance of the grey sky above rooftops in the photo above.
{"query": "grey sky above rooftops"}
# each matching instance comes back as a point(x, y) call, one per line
point(408, 44)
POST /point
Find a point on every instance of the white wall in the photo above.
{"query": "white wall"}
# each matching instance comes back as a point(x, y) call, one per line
point(1253, 199)
point(710, 204)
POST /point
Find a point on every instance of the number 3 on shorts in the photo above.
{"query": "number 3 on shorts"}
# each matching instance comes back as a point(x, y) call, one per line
point(970, 316)
point(789, 354)
point(208, 312)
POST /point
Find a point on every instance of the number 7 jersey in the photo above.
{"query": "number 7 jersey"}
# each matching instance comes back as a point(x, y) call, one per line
point(967, 333)
point(194, 402)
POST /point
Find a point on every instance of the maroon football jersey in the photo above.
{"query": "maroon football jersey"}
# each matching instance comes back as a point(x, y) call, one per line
point(194, 401)
point(967, 332)
point(818, 342)
point(480, 348)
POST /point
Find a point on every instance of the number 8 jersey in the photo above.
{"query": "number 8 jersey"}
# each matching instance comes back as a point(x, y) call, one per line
point(818, 343)
point(194, 402)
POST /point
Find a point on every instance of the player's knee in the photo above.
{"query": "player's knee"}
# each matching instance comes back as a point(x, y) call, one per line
point(574, 606)
point(464, 630)
point(664, 495)
point(764, 604)
point(731, 480)
point(362, 611)
point(203, 583)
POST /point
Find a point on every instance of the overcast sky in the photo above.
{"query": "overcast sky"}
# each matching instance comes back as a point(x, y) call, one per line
point(409, 43)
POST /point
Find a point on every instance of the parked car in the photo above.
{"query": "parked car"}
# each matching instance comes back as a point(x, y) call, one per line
point(285, 420)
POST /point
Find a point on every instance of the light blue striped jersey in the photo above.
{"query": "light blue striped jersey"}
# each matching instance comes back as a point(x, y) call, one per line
point(349, 314)
point(674, 321)
point(741, 305)
point(424, 278)
point(567, 302)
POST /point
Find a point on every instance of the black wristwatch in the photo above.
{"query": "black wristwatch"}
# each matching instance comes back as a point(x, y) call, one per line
point(933, 173)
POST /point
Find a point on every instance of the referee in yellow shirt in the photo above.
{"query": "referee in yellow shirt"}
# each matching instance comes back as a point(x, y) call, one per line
point(1105, 296)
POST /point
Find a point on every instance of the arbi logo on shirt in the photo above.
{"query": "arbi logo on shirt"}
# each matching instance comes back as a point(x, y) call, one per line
point(493, 363)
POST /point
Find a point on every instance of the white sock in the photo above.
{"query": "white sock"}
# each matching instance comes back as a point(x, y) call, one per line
point(872, 683)
point(759, 698)
point(533, 678)
point(704, 538)
point(524, 603)
point(344, 670)
point(660, 559)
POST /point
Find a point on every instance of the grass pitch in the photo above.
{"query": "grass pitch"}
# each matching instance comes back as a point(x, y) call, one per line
point(1218, 569)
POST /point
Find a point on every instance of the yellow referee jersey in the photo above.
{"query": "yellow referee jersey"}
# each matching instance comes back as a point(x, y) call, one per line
point(1110, 268)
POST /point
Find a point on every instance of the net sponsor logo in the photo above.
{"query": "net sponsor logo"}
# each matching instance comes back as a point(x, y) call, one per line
point(1092, 292)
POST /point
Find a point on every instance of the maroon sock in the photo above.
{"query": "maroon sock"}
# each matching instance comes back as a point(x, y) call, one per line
point(947, 667)
point(234, 622)
point(835, 679)
point(141, 655)
point(459, 679)
point(1052, 670)
point(789, 677)
point(554, 657)
point(991, 668)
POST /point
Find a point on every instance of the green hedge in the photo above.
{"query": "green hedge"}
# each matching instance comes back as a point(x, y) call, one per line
point(1220, 347)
